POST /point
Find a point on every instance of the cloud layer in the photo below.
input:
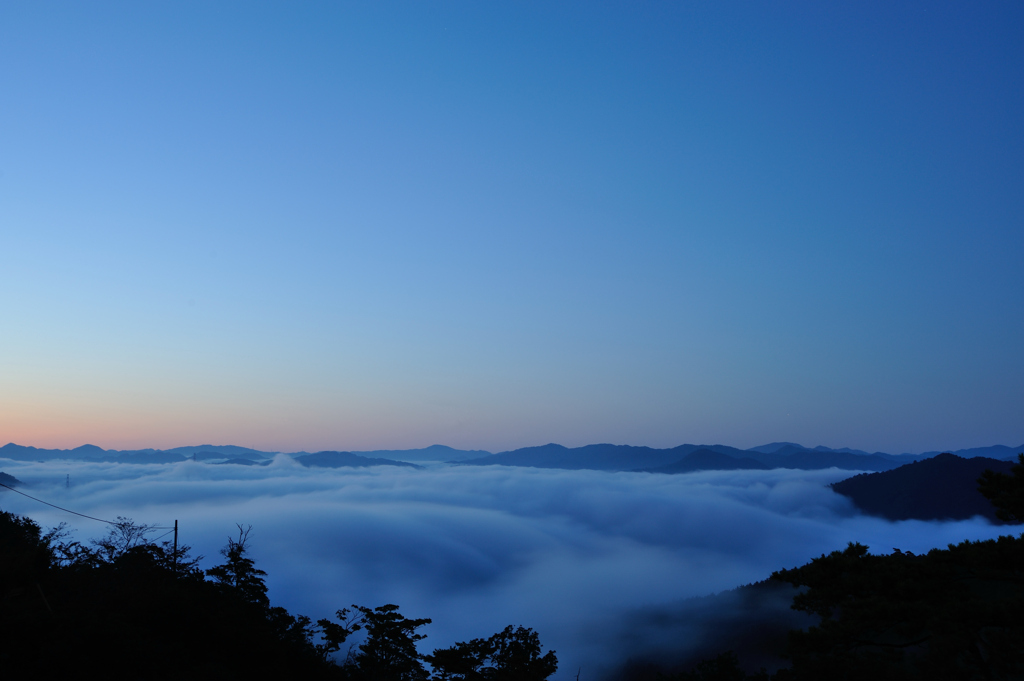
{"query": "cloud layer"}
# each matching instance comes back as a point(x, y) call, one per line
point(574, 554)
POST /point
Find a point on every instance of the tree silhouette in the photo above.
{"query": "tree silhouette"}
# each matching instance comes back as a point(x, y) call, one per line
point(513, 653)
point(389, 651)
point(123, 536)
point(1005, 492)
point(64, 605)
point(464, 661)
point(25, 555)
point(333, 635)
point(240, 572)
point(517, 657)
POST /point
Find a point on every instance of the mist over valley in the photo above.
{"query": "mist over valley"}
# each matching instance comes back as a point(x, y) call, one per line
point(600, 562)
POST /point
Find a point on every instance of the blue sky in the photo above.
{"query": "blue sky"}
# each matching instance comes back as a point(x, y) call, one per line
point(358, 226)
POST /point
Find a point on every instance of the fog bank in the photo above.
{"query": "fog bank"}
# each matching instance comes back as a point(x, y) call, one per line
point(577, 555)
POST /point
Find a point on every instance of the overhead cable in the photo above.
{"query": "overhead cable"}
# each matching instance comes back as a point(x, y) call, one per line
point(67, 510)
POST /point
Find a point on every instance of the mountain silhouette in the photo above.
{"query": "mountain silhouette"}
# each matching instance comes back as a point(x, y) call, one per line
point(994, 452)
point(810, 459)
point(147, 457)
point(431, 453)
point(606, 457)
point(773, 447)
point(942, 487)
point(601, 457)
point(225, 452)
point(346, 460)
point(708, 460)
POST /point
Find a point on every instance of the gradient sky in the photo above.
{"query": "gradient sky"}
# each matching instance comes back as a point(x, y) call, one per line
point(492, 225)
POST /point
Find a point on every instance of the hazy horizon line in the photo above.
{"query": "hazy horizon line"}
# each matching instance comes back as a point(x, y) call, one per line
point(499, 451)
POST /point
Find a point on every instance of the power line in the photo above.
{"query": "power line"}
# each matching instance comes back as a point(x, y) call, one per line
point(162, 535)
point(67, 510)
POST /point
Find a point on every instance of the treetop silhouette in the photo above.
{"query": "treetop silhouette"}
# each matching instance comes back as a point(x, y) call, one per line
point(1006, 492)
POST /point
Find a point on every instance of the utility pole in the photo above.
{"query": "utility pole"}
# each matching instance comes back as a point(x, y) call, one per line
point(175, 544)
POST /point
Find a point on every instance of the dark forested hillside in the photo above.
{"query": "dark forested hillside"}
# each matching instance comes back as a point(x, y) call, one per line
point(752, 621)
point(126, 608)
point(949, 615)
point(943, 487)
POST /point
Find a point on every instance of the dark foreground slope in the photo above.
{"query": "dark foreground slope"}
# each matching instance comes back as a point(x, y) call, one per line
point(752, 621)
point(126, 608)
point(129, 610)
point(943, 487)
point(950, 615)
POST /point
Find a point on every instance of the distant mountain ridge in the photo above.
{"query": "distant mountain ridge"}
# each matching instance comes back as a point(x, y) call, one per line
point(603, 457)
point(431, 453)
point(346, 460)
point(776, 447)
point(230, 451)
point(608, 457)
point(1001, 452)
point(222, 453)
point(94, 453)
point(709, 460)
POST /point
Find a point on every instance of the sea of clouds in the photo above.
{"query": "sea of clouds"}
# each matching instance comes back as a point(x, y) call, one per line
point(577, 555)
